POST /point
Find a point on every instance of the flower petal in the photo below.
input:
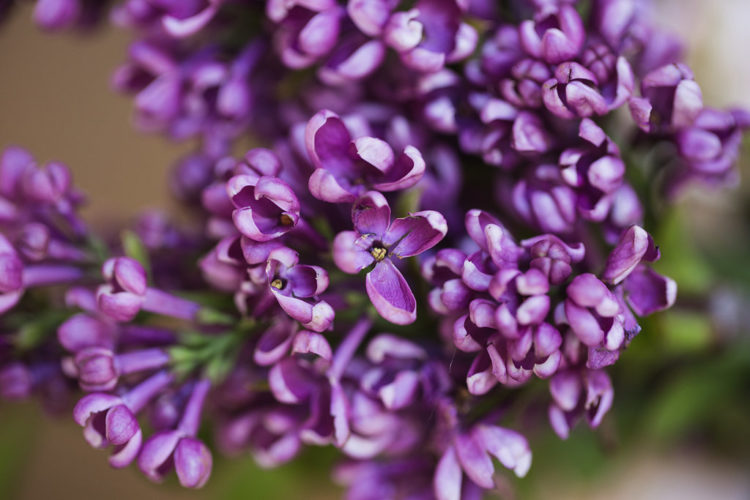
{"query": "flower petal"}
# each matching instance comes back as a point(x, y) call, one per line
point(448, 475)
point(414, 234)
point(406, 171)
point(510, 447)
point(327, 140)
point(390, 294)
point(371, 214)
point(350, 253)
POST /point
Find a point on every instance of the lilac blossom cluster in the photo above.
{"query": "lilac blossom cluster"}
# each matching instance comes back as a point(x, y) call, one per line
point(443, 214)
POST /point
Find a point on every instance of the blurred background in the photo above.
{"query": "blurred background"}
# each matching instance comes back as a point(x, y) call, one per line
point(680, 424)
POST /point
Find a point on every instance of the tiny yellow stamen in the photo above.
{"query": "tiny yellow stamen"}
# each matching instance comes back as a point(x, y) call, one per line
point(378, 253)
point(285, 220)
point(278, 283)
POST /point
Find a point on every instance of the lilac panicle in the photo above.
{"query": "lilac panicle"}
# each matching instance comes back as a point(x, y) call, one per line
point(362, 107)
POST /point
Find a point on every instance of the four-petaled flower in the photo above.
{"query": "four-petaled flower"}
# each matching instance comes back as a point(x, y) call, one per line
point(376, 240)
point(291, 283)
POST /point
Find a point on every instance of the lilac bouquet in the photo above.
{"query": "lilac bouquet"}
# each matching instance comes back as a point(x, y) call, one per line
point(449, 210)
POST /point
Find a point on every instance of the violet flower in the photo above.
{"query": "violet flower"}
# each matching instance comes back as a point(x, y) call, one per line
point(110, 420)
point(265, 207)
point(126, 293)
point(469, 451)
point(290, 283)
point(429, 35)
point(594, 313)
point(594, 168)
point(670, 100)
point(179, 448)
point(555, 35)
point(710, 145)
point(586, 393)
point(523, 87)
point(307, 30)
point(573, 93)
point(11, 275)
point(99, 368)
point(376, 240)
point(312, 377)
point(346, 167)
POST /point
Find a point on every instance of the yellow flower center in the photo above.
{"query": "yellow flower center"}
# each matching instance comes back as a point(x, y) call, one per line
point(378, 253)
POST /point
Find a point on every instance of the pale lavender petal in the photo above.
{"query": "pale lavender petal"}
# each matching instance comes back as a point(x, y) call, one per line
point(349, 254)
point(447, 481)
point(475, 462)
point(510, 447)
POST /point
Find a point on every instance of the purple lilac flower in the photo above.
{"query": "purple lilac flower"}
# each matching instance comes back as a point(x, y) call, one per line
point(427, 36)
point(179, 448)
point(670, 100)
point(352, 132)
point(710, 145)
point(126, 293)
point(290, 283)
point(110, 420)
point(346, 167)
point(555, 35)
point(575, 394)
point(98, 368)
point(377, 240)
point(468, 453)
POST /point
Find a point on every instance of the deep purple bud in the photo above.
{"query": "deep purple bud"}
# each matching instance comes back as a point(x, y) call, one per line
point(192, 462)
point(553, 257)
point(83, 330)
point(555, 35)
point(11, 275)
point(121, 298)
point(48, 183)
point(710, 146)
point(591, 309)
point(13, 163)
point(97, 369)
point(635, 246)
point(670, 99)
point(573, 92)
